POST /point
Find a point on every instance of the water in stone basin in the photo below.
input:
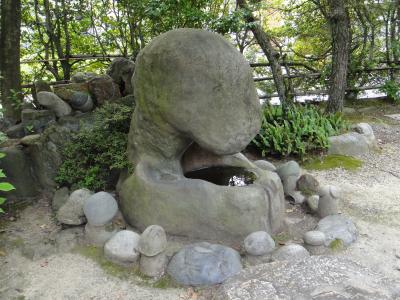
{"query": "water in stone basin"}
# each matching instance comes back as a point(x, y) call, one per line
point(226, 176)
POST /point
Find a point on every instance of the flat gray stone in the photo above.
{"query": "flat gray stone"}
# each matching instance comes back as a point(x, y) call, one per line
point(153, 266)
point(290, 252)
point(265, 165)
point(100, 208)
point(259, 243)
point(350, 144)
point(153, 241)
point(71, 213)
point(316, 277)
point(338, 227)
point(291, 168)
point(122, 248)
point(204, 264)
point(314, 238)
point(307, 184)
point(54, 103)
point(60, 197)
point(99, 235)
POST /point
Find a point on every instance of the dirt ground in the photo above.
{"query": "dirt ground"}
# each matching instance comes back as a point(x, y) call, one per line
point(36, 262)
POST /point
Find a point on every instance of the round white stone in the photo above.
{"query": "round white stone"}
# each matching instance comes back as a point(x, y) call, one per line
point(314, 238)
point(259, 243)
point(100, 209)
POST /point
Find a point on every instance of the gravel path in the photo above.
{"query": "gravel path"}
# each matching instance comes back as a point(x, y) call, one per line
point(372, 200)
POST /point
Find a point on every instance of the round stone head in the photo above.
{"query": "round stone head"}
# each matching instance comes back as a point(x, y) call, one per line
point(197, 83)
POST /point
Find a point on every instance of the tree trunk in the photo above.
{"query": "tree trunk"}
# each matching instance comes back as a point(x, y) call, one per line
point(340, 30)
point(264, 40)
point(10, 74)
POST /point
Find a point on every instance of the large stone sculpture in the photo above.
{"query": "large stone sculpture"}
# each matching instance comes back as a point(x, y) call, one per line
point(197, 107)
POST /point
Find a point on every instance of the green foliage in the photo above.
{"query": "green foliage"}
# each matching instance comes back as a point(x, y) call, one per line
point(4, 186)
point(392, 90)
point(333, 161)
point(300, 130)
point(96, 152)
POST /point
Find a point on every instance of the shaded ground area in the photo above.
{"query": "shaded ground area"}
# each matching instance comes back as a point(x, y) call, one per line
point(36, 262)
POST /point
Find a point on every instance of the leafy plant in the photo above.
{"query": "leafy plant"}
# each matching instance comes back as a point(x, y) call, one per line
point(392, 90)
point(300, 130)
point(4, 186)
point(94, 154)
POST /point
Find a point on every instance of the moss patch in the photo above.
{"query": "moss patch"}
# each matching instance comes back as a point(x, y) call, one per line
point(281, 238)
point(333, 161)
point(336, 245)
point(96, 254)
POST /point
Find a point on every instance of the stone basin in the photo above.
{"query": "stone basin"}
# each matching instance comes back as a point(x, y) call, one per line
point(196, 109)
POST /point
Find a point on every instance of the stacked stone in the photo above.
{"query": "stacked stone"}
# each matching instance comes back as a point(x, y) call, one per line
point(152, 245)
point(99, 210)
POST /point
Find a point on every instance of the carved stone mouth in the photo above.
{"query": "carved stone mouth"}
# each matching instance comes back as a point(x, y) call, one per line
point(224, 175)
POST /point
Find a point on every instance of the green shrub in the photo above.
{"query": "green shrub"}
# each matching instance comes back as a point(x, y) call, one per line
point(4, 186)
point(300, 130)
point(94, 154)
point(392, 90)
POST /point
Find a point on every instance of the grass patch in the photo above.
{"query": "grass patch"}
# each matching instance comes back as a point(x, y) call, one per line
point(96, 254)
point(281, 238)
point(336, 245)
point(333, 161)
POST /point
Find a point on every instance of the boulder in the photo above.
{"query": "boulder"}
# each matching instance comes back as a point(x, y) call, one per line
point(42, 86)
point(265, 165)
point(153, 266)
point(338, 227)
point(81, 77)
point(291, 252)
point(121, 71)
point(81, 101)
point(65, 91)
point(291, 168)
point(71, 213)
point(103, 89)
point(307, 184)
point(36, 121)
point(353, 143)
point(204, 264)
point(100, 209)
point(54, 103)
point(47, 154)
point(18, 168)
point(366, 130)
point(16, 131)
point(60, 197)
point(122, 248)
point(99, 235)
point(259, 243)
point(29, 140)
point(153, 241)
point(316, 277)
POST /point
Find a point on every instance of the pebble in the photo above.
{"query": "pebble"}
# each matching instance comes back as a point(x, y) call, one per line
point(259, 243)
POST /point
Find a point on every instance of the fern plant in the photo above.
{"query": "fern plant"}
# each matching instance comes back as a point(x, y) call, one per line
point(297, 131)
